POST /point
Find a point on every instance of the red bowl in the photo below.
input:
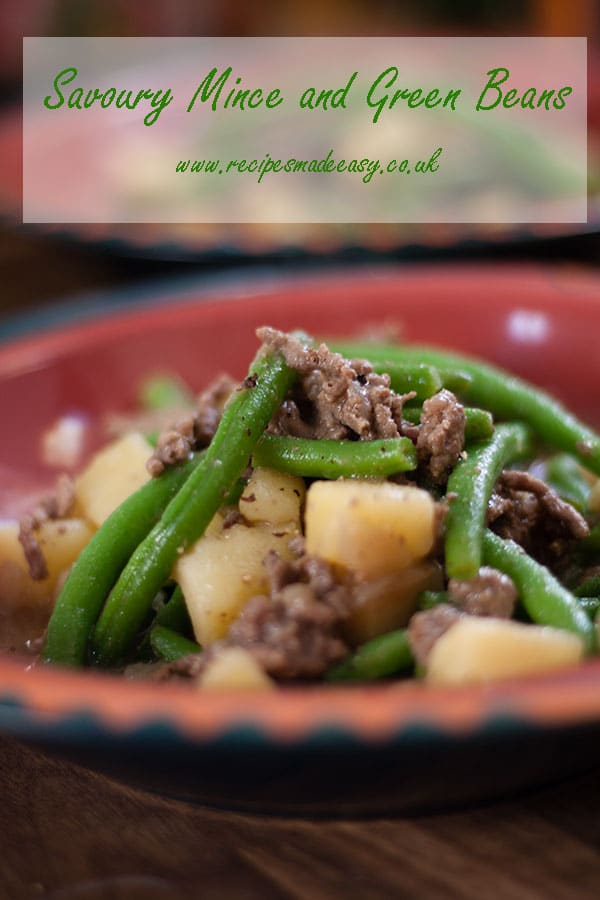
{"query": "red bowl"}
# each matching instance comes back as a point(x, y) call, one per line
point(398, 745)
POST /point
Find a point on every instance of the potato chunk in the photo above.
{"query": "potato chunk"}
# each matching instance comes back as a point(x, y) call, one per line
point(272, 496)
point(594, 500)
point(234, 669)
point(388, 603)
point(373, 528)
point(61, 540)
point(111, 476)
point(479, 650)
point(223, 570)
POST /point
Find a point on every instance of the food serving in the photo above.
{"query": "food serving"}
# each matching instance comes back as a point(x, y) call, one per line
point(348, 512)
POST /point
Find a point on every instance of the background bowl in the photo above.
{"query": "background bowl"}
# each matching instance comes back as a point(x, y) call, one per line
point(308, 749)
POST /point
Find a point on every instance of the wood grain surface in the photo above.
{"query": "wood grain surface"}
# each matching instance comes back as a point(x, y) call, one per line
point(70, 834)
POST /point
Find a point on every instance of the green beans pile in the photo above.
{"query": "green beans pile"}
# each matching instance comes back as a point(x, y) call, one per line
point(107, 613)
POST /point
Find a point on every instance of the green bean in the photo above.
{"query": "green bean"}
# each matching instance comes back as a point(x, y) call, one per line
point(589, 547)
point(382, 656)
point(471, 485)
point(563, 473)
point(544, 598)
point(336, 459)
point(174, 613)
point(423, 380)
point(100, 562)
point(169, 645)
point(429, 599)
point(162, 391)
point(412, 414)
point(455, 380)
point(591, 605)
point(187, 515)
point(589, 588)
point(506, 396)
point(479, 425)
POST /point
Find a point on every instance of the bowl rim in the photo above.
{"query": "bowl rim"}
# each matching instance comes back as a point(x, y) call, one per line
point(375, 714)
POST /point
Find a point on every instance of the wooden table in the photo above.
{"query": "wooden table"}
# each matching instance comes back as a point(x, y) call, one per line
point(69, 834)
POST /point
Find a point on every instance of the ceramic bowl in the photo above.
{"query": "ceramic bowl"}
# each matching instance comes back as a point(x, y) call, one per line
point(328, 750)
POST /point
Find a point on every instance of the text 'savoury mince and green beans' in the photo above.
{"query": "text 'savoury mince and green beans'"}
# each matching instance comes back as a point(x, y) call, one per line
point(349, 512)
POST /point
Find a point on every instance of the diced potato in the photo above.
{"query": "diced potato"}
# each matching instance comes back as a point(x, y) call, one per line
point(61, 542)
point(235, 669)
point(272, 496)
point(215, 526)
point(374, 528)
point(222, 571)
point(112, 475)
point(479, 650)
point(388, 603)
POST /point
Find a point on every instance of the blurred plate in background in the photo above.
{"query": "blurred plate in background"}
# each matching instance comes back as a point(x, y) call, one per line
point(232, 243)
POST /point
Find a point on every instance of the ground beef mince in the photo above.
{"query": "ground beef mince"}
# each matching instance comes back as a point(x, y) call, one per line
point(441, 509)
point(335, 398)
point(211, 403)
point(526, 510)
point(191, 666)
point(587, 573)
point(232, 517)
point(193, 431)
point(441, 437)
point(291, 637)
point(426, 627)
point(490, 593)
point(174, 445)
point(295, 631)
point(55, 506)
point(34, 556)
point(311, 571)
point(59, 504)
